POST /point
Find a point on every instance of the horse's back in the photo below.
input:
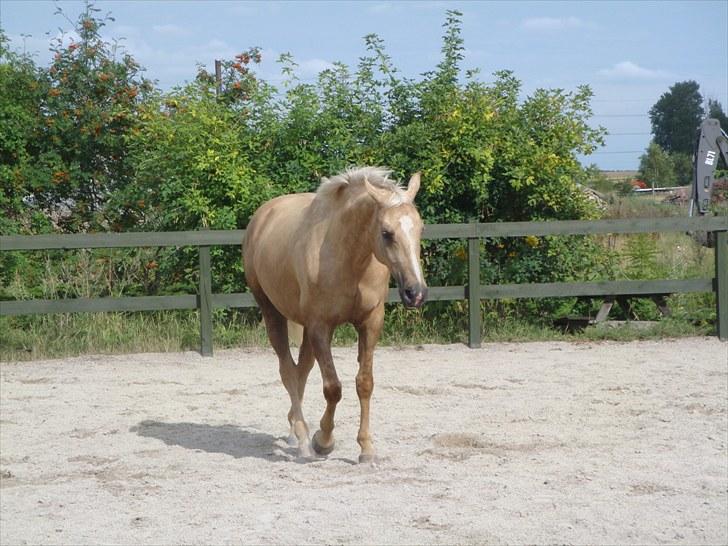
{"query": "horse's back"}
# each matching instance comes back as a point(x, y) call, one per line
point(278, 215)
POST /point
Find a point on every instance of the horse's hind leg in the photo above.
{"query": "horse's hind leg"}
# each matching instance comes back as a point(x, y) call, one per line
point(306, 360)
point(323, 440)
point(277, 327)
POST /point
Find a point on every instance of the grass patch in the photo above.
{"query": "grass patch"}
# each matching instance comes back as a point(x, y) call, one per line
point(515, 330)
point(666, 328)
point(643, 206)
point(65, 335)
point(70, 334)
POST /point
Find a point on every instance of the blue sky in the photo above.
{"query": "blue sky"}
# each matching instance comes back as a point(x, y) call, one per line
point(628, 52)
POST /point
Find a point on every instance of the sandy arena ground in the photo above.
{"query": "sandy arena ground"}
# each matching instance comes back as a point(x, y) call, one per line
point(590, 443)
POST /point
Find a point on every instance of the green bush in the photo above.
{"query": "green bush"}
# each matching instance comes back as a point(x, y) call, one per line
point(88, 145)
point(203, 160)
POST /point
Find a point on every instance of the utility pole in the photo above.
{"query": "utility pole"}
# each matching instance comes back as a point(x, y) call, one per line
point(218, 78)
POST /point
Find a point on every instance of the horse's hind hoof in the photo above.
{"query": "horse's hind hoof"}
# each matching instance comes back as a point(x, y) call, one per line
point(318, 448)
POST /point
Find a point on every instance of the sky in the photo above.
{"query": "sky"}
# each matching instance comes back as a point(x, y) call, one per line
point(629, 53)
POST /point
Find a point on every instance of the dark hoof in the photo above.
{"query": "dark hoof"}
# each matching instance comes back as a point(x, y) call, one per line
point(367, 458)
point(318, 448)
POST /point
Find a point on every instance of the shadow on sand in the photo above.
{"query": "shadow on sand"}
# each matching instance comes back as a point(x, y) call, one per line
point(228, 439)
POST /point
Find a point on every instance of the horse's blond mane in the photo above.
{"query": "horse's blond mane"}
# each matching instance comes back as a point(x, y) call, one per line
point(355, 176)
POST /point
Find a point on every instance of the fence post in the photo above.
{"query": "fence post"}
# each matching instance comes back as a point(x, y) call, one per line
point(474, 287)
point(721, 283)
point(204, 304)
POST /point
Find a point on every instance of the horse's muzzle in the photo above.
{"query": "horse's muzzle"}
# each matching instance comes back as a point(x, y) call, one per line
point(414, 295)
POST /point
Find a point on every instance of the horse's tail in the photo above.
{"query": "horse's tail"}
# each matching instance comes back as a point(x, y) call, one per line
point(295, 333)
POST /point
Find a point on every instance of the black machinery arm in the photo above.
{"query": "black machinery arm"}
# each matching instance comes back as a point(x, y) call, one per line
point(711, 140)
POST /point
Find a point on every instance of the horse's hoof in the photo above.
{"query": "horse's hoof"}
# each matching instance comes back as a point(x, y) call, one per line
point(367, 458)
point(305, 452)
point(318, 448)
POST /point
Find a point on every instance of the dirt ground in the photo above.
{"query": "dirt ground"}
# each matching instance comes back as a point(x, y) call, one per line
point(588, 443)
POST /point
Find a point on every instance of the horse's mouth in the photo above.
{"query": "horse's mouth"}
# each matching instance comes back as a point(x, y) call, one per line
point(413, 296)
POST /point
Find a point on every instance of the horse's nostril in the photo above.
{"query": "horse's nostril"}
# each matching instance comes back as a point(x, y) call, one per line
point(414, 295)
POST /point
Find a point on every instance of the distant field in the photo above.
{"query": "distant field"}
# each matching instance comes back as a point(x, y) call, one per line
point(619, 175)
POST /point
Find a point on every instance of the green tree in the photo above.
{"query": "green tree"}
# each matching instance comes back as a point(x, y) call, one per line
point(193, 165)
point(92, 102)
point(488, 155)
point(196, 155)
point(657, 167)
point(682, 166)
point(715, 110)
point(21, 122)
point(676, 116)
point(197, 160)
point(22, 89)
point(119, 156)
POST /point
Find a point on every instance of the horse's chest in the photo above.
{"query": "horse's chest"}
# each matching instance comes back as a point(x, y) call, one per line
point(343, 303)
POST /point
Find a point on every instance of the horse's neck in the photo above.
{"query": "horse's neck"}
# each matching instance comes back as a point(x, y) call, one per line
point(353, 226)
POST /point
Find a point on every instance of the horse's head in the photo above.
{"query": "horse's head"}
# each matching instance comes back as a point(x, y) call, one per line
point(397, 231)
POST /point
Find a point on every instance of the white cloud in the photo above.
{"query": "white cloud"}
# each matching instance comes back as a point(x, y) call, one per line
point(25, 43)
point(392, 8)
point(551, 23)
point(125, 31)
point(172, 65)
point(632, 71)
point(306, 69)
point(311, 67)
point(171, 30)
point(38, 47)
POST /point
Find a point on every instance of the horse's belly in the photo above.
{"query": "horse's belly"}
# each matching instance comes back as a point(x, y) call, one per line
point(284, 294)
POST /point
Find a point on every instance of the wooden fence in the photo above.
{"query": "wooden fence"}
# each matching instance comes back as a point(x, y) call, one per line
point(472, 290)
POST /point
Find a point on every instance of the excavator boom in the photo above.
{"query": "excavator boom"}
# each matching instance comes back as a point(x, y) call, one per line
point(710, 142)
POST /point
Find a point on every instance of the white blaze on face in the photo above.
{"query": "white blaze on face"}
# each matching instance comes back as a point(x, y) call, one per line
point(408, 225)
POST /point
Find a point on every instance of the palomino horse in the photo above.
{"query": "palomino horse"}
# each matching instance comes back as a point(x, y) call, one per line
point(323, 259)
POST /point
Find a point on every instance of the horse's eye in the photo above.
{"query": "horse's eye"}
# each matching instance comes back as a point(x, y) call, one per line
point(387, 236)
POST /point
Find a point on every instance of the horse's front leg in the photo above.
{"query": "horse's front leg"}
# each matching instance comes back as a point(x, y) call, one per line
point(323, 440)
point(368, 331)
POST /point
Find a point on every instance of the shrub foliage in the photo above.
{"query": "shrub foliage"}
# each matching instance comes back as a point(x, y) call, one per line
point(88, 144)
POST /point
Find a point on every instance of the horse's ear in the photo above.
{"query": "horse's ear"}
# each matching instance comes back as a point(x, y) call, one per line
point(413, 187)
point(380, 195)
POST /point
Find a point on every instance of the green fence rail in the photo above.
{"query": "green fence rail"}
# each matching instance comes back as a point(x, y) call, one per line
point(472, 291)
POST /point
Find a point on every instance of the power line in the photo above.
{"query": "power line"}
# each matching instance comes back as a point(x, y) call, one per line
point(621, 115)
point(625, 152)
point(621, 100)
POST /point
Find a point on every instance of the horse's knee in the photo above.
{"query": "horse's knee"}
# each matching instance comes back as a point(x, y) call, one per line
point(364, 386)
point(332, 392)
